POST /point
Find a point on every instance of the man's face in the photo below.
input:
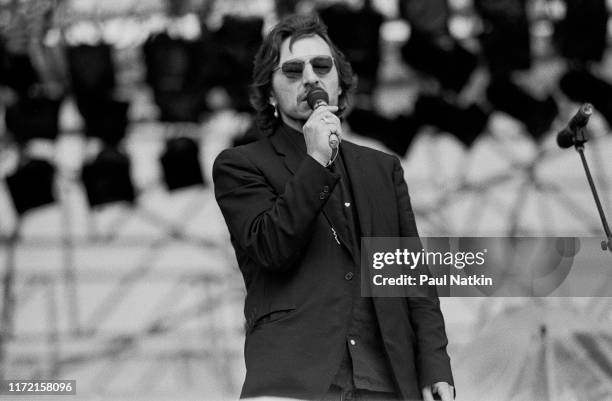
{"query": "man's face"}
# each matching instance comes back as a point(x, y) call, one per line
point(289, 92)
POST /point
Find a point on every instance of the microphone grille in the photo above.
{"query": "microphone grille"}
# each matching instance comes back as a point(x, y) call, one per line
point(316, 94)
point(565, 139)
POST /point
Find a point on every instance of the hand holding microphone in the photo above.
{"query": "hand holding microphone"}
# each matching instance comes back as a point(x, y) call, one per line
point(323, 129)
point(316, 98)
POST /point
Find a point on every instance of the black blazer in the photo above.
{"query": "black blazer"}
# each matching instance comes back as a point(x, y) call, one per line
point(298, 303)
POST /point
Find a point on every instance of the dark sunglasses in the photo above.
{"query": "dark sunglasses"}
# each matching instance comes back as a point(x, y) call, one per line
point(293, 69)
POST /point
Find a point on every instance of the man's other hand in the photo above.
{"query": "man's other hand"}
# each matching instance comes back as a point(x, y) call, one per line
point(443, 389)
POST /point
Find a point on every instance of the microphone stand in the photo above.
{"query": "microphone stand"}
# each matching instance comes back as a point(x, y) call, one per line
point(580, 139)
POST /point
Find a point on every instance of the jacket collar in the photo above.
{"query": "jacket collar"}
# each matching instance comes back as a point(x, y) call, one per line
point(286, 146)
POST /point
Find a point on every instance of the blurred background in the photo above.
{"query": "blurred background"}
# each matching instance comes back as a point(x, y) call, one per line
point(115, 261)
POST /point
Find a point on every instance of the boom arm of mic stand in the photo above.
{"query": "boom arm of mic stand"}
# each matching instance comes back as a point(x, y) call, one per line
point(579, 145)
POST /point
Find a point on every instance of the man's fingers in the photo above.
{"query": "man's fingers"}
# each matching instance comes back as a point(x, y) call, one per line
point(427, 396)
point(319, 111)
point(446, 394)
point(333, 109)
point(444, 390)
point(334, 124)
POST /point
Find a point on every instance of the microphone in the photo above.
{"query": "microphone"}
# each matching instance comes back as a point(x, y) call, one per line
point(567, 136)
point(317, 97)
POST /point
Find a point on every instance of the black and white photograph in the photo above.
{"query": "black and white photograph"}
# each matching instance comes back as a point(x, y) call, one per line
point(347, 200)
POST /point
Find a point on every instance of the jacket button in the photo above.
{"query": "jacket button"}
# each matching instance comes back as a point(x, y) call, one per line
point(322, 196)
point(326, 189)
point(348, 276)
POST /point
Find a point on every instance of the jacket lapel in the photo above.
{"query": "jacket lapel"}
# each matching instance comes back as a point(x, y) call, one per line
point(359, 183)
point(292, 157)
point(282, 144)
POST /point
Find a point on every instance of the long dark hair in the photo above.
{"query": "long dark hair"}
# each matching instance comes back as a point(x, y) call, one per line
point(268, 55)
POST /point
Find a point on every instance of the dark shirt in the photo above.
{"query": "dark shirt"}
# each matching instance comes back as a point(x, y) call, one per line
point(364, 365)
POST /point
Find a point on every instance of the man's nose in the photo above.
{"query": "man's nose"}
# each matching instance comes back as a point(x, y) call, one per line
point(309, 77)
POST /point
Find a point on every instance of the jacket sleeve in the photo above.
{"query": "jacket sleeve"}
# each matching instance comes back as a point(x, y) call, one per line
point(272, 228)
point(433, 362)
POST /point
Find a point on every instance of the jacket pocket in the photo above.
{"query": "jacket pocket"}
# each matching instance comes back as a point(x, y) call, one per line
point(273, 315)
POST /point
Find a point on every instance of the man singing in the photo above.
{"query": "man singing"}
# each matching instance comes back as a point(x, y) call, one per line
point(296, 207)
